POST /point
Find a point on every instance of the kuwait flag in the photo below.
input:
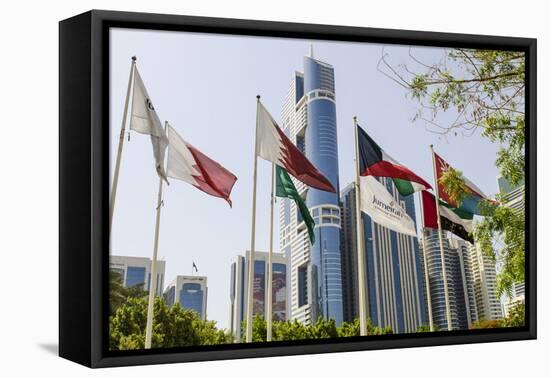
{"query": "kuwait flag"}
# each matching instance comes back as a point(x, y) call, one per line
point(473, 195)
point(188, 164)
point(274, 146)
point(374, 161)
point(457, 221)
point(285, 188)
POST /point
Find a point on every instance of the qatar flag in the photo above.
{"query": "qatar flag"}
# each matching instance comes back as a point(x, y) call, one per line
point(274, 146)
point(186, 163)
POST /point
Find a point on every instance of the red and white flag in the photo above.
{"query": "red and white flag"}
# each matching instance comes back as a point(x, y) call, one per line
point(274, 146)
point(186, 163)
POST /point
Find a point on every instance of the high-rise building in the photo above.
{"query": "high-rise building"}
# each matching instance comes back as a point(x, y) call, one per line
point(513, 196)
point(464, 288)
point(309, 120)
point(484, 277)
point(432, 254)
point(190, 292)
point(238, 285)
point(394, 270)
point(136, 272)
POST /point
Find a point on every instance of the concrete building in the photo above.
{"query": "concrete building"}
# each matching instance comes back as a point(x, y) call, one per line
point(238, 285)
point(309, 120)
point(136, 272)
point(484, 279)
point(190, 292)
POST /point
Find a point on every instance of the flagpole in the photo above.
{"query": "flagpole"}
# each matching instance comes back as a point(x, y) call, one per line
point(442, 251)
point(120, 145)
point(153, 284)
point(360, 241)
point(269, 307)
point(250, 283)
point(426, 275)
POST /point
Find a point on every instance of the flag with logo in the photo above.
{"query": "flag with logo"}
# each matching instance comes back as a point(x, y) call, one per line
point(383, 208)
point(374, 161)
point(276, 147)
point(188, 164)
point(144, 120)
point(285, 188)
point(456, 221)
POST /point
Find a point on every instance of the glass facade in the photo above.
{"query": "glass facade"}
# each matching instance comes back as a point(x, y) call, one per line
point(191, 297)
point(320, 147)
point(135, 276)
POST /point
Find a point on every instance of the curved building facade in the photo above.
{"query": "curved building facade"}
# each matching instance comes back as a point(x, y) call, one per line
point(309, 119)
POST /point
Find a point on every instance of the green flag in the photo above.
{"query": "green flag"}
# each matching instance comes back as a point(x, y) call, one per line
point(285, 188)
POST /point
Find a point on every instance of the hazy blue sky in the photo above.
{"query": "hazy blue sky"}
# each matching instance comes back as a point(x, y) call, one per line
point(205, 85)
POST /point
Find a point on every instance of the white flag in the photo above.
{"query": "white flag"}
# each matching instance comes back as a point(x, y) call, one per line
point(145, 120)
point(383, 208)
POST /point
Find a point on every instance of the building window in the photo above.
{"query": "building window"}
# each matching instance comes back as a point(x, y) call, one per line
point(302, 285)
point(135, 276)
point(191, 297)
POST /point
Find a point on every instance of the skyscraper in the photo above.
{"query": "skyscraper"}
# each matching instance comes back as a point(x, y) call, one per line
point(190, 292)
point(464, 288)
point(394, 270)
point(432, 254)
point(484, 276)
point(514, 197)
point(309, 120)
point(238, 284)
point(136, 272)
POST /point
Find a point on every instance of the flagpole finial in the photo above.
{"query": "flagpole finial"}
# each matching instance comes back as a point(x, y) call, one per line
point(355, 118)
point(258, 97)
point(134, 58)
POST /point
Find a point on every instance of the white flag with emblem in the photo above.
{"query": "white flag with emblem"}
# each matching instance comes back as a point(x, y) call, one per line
point(146, 121)
point(383, 208)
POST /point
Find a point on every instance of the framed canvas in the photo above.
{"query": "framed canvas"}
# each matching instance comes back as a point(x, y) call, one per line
point(235, 188)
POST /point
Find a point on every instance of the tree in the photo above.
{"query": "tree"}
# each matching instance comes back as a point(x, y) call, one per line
point(118, 294)
point(321, 329)
point(483, 91)
point(173, 326)
point(516, 316)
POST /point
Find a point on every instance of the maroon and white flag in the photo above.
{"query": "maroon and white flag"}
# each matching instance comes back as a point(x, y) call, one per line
point(186, 163)
point(274, 146)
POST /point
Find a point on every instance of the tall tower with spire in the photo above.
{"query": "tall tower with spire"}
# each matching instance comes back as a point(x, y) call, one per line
point(309, 120)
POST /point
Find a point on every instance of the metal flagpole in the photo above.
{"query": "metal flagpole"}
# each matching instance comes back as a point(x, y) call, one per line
point(120, 145)
point(440, 231)
point(360, 241)
point(153, 283)
point(426, 275)
point(250, 283)
point(269, 307)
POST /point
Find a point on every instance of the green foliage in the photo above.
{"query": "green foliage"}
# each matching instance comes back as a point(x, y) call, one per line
point(483, 323)
point(426, 328)
point(484, 91)
point(321, 329)
point(118, 294)
point(173, 326)
point(516, 316)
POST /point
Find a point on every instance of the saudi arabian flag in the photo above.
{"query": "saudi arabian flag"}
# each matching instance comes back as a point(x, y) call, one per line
point(284, 187)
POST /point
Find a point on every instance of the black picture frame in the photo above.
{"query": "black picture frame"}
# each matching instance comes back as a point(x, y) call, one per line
point(84, 193)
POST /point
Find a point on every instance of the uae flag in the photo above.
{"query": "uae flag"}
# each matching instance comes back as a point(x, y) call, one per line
point(285, 188)
point(144, 120)
point(374, 161)
point(186, 163)
point(473, 196)
point(457, 221)
point(274, 146)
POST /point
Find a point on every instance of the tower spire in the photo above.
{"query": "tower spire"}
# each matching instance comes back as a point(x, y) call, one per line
point(311, 50)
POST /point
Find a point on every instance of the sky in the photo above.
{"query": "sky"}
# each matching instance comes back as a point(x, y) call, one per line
point(205, 85)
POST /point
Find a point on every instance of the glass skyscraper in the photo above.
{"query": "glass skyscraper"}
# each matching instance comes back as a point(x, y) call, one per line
point(136, 272)
point(394, 268)
point(309, 120)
